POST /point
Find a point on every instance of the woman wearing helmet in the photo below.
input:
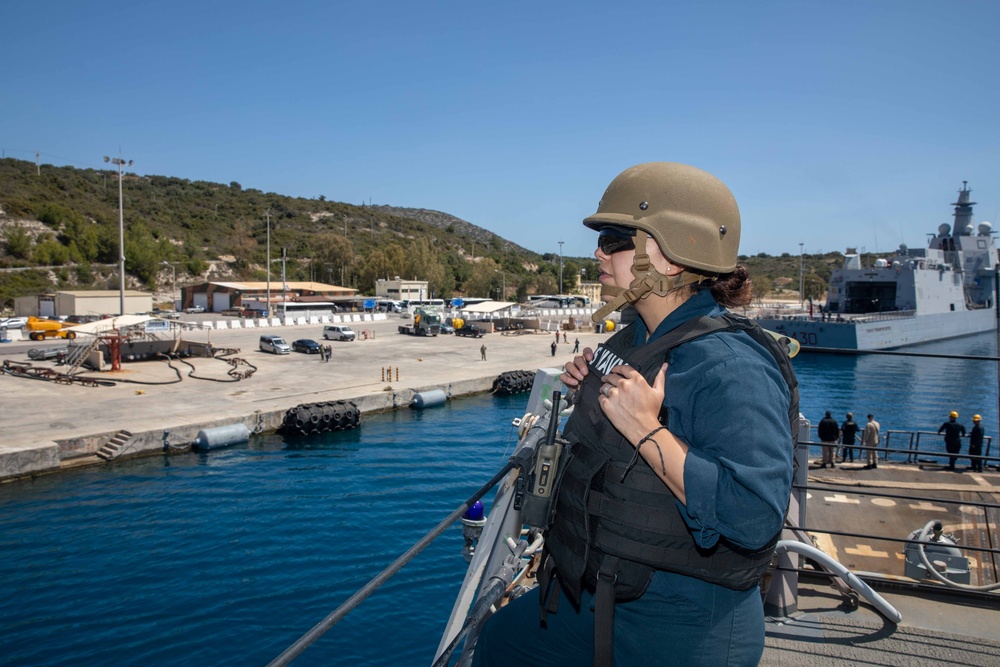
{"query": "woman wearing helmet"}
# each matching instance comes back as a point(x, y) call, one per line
point(679, 475)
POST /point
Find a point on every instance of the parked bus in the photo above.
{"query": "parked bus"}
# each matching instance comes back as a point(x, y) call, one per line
point(305, 308)
point(426, 303)
point(559, 301)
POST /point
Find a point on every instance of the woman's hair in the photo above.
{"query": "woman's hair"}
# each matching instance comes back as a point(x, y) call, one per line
point(731, 290)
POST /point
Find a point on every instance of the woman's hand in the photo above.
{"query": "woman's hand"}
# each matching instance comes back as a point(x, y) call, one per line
point(631, 404)
point(577, 369)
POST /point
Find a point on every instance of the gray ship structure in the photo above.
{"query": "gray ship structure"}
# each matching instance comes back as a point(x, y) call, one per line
point(942, 291)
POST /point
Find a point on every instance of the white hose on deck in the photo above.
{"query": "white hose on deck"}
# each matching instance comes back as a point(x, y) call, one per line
point(852, 579)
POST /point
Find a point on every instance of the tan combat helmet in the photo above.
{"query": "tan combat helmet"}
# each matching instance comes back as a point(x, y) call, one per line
point(692, 216)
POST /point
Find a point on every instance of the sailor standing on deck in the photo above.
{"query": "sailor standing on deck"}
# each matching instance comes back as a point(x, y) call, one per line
point(869, 439)
point(848, 432)
point(976, 436)
point(953, 432)
point(828, 432)
point(678, 477)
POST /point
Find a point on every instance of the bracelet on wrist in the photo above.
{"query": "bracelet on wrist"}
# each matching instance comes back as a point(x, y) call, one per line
point(649, 437)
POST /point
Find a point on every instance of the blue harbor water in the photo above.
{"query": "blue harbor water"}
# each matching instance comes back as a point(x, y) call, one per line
point(226, 558)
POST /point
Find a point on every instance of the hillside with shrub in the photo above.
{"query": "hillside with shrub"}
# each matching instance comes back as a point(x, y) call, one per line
point(59, 230)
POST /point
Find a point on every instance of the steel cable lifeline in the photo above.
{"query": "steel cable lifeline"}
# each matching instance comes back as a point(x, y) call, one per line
point(301, 644)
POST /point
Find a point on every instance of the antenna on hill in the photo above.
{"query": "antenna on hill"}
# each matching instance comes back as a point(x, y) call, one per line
point(38, 163)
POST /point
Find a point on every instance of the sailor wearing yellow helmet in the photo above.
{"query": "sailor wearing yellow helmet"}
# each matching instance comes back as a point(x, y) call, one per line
point(976, 443)
point(953, 434)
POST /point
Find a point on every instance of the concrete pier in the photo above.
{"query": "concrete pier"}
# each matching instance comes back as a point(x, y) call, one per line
point(47, 426)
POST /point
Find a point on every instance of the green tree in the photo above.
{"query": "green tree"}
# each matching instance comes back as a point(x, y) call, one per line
point(761, 286)
point(244, 244)
point(481, 281)
point(143, 254)
point(55, 215)
point(334, 254)
point(546, 283)
point(813, 287)
point(84, 273)
point(107, 244)
point(49, 252)
point(375, 266)
point(423, 263)
point(82, 235)
point(17, 242)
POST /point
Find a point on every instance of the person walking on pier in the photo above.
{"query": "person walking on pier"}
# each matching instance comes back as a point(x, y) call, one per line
point(976, 443)
point(848, 434)
point(576, 346)
point(953, 432)
point(869, 439)
point(828, 432)
point(482, 352)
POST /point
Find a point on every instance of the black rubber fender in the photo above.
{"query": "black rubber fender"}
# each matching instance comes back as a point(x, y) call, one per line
point(322, 417)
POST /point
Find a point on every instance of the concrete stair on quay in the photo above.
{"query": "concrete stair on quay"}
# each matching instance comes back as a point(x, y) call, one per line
point(114, 447)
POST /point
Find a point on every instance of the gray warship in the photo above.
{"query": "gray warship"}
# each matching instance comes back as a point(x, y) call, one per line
point(945, 290)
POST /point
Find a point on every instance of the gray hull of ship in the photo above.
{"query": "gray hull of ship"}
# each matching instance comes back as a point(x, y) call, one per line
point(885, 333)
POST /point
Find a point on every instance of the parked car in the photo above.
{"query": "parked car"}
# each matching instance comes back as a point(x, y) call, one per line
point(14, 322)
point(194, 309)
point(447, 329)
point(274, 345)
point(306, 345)
point(166, 314)
point(338, 332)
point(470, 330)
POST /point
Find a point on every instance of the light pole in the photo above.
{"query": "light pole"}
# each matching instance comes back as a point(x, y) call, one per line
point(121, 233)
point(284, 284)
point(560, 268)
point(503, 276)
point(801, 274)
point(268, 214)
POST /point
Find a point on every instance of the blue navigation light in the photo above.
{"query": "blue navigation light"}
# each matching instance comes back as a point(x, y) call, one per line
point(475, 513)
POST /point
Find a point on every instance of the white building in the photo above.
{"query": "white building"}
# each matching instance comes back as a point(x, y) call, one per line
point(83, 302)
point(398, 289)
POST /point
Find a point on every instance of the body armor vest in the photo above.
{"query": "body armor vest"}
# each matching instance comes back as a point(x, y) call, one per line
point(617, 522)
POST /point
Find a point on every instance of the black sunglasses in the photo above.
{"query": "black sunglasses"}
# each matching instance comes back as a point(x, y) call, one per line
point(615, 239)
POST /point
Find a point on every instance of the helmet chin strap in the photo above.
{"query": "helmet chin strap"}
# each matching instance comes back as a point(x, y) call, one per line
point(646, 280)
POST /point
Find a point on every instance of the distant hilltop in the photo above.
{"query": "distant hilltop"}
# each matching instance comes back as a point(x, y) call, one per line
point(448, 223)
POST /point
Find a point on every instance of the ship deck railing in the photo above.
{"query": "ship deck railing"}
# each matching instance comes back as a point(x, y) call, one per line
point(834, 318)
point(916, 447)
point(845, 513)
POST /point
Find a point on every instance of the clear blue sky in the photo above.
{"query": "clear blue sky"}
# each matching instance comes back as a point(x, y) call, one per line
point(847, 123)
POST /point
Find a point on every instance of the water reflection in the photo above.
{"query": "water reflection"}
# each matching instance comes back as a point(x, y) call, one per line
point(905, 393)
